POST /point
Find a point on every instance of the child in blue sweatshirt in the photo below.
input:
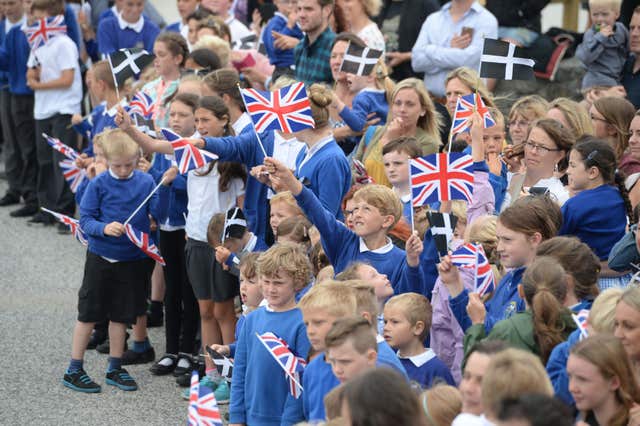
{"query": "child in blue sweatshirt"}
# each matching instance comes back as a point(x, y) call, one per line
point(259, 387)
point(407, 322)
point(117, 273)
point(376, 210)
point(281, 24)
point(128, 29)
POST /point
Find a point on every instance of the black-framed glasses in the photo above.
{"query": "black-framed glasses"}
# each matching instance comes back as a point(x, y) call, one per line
point(540, 148)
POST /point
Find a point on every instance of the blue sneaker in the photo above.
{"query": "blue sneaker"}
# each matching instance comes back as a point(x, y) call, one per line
point(80, 381)
point(222, 393)
point(121, 379)
point(205, 381)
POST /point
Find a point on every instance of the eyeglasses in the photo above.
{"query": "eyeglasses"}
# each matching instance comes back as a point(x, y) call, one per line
point(519, 123)
point(540, 148)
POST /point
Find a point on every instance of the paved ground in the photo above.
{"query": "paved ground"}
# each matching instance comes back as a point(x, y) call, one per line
point(40, 273)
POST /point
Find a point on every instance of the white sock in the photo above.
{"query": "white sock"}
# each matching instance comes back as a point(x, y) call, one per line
point(183, 363)
point(166, 361)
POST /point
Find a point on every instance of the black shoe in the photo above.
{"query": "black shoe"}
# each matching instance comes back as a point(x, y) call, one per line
point(131, 357)
point(80, 381)
point(63, 229)
point(179, 371)
point(184, 381)
point(161, 369)
point(9, 200)
point(103, 347)
point(42, 218)
point(121, 379)
point(25, 211)
point(96, 339)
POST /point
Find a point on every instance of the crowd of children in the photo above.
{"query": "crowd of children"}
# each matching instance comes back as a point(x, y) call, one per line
point(283, 238)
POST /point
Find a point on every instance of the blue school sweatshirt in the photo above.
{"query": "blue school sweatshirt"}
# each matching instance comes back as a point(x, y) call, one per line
point(14, 54)
point(101, 120)
point(342, 246)
point(278, 57)
point(4, 76)
point(175, 27)
point(239, 325)
point(73, 29)
point(259, 388)
point(504, 303)
point(107, 200)
point(364, 103)
point(111, 38)
point(597, 216)
point(557, 368)
point(427, 369)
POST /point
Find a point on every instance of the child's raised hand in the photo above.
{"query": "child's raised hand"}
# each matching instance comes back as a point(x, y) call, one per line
point(494, 162)
point(450, 276)
point(169, 175)
point(286, 180)
point(114, 229)
point(122, 119)
point(144, 165)
point(261, 174)
point(476, 310)
point(222, 255)
point(414, 248)
point(76, 119)
point(221, 349)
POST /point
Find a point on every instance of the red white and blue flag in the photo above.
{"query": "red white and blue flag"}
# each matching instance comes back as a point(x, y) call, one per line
point(142, 104)
point(188, 156)
point(472, 256)
point(144, 243)
point(463, 115)
point(72, 174)
point(203, 408)
point(44, 29)
point(582, 320)
point(62, 148)
point(287, 109)
point(441, 177)
point(73, 224)
point(290, 363)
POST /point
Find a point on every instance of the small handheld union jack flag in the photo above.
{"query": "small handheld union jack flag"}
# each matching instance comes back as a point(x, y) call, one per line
point(44, 29)
point(290, 363)
point(465, 107)
point(144, 243)
point(441, 177)
point(73, 224)
point(360, 173)
point(472, 256)
point(203, 408)
point(72, 174)
point(287, 109)
point(582, 320)
point(188, 156)
point(63, 149)
point(142, 104)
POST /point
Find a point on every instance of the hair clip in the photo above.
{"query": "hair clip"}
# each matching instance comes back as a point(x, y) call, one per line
point(592, 155)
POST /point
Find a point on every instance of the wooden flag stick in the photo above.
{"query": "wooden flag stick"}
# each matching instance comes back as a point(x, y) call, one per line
point(144, 202)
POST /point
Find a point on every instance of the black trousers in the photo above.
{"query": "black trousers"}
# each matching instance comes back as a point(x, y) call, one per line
point(182, 317)
point(12, 160)
point(25, 138)
point(53, 191)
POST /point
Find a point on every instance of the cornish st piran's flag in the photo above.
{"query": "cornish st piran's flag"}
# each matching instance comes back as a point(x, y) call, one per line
point(62, 148)
point(472, 256)
point(127, 63)
point(188, 156)
point(43, 30)
point(505, 61)
point(442, 226)
point(203, 408)
point(359, 60)
point(72, 174)
point(223, 364)
point(142, 104)
point(287, 109)
point(463, 115)
point(73, 224)
point(290, 363)
point(441, 177)
point(144, 243)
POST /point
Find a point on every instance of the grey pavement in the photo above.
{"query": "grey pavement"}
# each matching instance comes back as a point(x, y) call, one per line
point(40, 273)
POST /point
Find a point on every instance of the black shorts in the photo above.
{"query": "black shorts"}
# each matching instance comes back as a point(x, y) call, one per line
point(208, 279)
point(115, 291)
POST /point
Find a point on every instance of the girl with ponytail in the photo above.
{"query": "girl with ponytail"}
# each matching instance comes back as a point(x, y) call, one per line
point(546, 321)
point(598, 213)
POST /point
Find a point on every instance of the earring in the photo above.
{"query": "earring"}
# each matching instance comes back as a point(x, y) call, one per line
point(555, 168)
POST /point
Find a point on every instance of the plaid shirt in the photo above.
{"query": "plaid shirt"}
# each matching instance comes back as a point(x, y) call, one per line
point(312, 60)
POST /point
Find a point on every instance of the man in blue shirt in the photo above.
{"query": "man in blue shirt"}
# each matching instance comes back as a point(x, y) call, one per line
point(630, 75)
point(313, 52)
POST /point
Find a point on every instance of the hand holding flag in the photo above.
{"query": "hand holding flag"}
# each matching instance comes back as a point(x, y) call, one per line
point(188, 156)
point(223, 364)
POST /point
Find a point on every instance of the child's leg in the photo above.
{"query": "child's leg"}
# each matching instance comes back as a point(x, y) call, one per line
point(155, 312)
point(116, 375)
point(75, 377)
point(117, 333)
point(225, 314)
point(81, 334)
point(209, 328)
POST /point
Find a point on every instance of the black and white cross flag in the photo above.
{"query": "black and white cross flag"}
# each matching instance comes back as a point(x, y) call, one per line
point(442, 226)
point(245, 43)
point(359, 60)
point(223, 364)
point(505, 61)
point(126, 63)
point(145, 125)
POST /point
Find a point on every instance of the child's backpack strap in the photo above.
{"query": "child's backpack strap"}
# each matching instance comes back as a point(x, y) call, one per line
point(368, 135)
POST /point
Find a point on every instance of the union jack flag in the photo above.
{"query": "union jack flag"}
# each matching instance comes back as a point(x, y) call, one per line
point(472, 256)
point(188, 156)
point(287, 109)
point(203, 408)
point(465, 107)
point(290, 363)
point(44, 29)
point(62, 148)
point(360, 173)
point(441, 177)
point(144, 243)
point(72, 174)
point(142, 104)
point(73, 224)
point(582, 320)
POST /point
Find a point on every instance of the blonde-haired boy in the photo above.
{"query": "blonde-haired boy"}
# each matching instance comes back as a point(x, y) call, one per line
point(376, 210)
point(259, 388)
point(407, 321)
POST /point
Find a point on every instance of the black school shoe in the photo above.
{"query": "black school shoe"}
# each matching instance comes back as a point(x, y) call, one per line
point(9, 200)
point(179, 371)
point(121, 379)
point(131, 357)
point(103, 347)
point(159, 369)
point(25, 211)
point(80, 381)
point(96, 339)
